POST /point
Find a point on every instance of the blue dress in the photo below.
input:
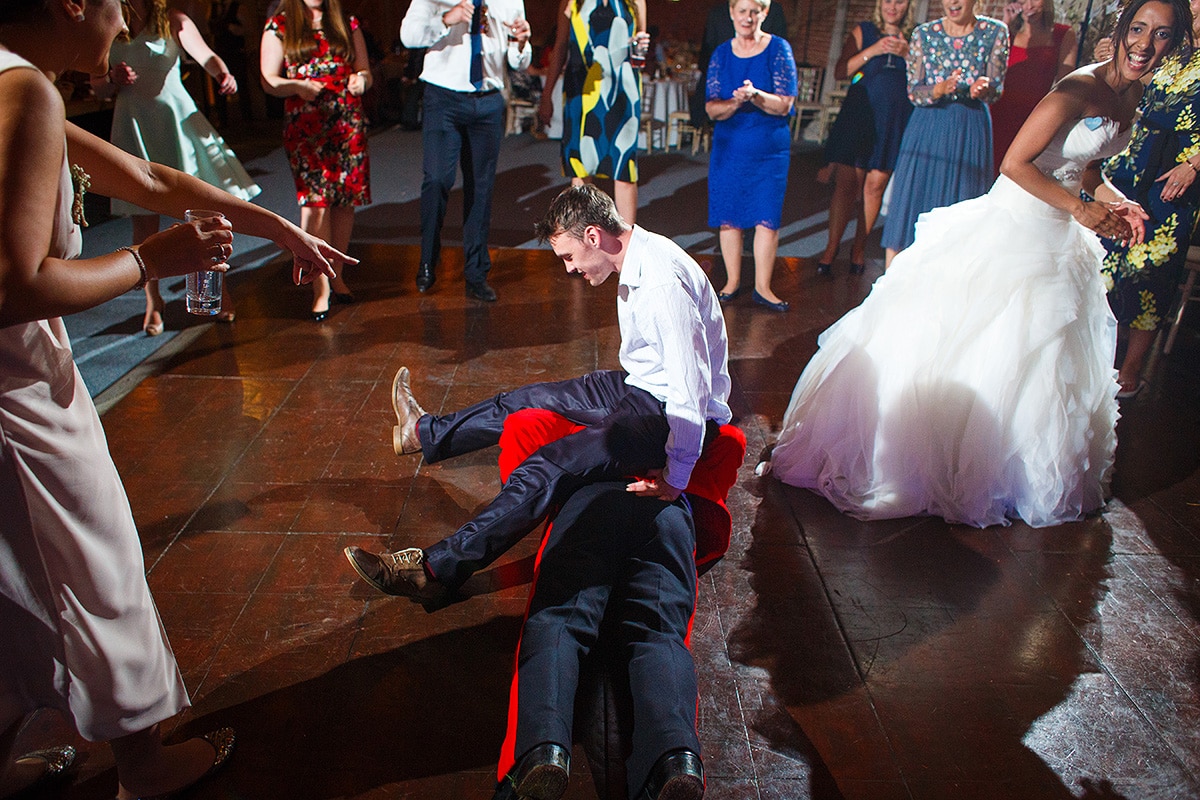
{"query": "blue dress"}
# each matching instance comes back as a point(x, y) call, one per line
point(868, 129)
point(946, 152)
point(751, 151)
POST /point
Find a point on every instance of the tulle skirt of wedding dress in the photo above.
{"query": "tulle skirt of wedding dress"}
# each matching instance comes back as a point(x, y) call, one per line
point(975, 383)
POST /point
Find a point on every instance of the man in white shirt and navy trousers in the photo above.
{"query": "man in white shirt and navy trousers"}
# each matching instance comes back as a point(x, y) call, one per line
point(468, 46)
point(651, 418)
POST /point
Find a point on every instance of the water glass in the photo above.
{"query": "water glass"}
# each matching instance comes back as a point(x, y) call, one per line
point(204, 287)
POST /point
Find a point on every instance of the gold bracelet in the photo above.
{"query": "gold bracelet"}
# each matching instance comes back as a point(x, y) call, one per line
point(1188, 161)
point(141, 265)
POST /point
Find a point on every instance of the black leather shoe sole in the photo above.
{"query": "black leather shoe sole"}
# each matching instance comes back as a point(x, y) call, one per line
point(678, 775)
point(542, 773)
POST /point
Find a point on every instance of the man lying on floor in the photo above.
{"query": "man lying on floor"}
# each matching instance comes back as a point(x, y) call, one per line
point(624, 564)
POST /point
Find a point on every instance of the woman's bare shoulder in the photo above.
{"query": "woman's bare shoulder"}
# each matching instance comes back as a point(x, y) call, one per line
point(27, 97)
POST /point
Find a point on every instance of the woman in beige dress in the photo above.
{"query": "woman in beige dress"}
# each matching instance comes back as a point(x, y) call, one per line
point(80, 632)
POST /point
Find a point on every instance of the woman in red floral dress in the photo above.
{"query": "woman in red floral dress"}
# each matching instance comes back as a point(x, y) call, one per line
point(316, 58)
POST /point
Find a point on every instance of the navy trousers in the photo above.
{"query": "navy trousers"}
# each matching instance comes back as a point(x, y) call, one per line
point(464, 129)
point(630, 559)
point(626, 434)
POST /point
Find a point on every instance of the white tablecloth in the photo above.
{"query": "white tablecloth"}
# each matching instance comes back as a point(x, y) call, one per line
point(662, 97)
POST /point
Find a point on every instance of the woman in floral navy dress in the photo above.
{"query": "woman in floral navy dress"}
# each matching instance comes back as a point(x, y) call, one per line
point(317, 59)
point(1158, 170)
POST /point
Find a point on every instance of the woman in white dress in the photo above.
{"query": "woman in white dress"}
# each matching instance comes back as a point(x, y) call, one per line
point(975, 383)
point(156, 119)
point(79, 632)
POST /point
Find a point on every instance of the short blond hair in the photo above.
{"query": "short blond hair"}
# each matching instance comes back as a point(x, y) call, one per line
point(763, 4)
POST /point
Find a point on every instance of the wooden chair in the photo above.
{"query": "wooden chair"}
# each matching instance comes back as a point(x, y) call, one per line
point(807, 108)
point(679, 124)
point(649, 125)
point(1189, 292)
point(519, 113)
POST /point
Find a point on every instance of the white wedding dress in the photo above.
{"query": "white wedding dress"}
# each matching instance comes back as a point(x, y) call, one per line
point(976, 382)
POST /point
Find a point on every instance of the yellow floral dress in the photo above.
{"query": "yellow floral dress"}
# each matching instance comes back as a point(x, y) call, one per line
point(1141, 278)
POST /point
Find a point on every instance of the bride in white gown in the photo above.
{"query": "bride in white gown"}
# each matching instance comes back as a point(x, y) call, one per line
point(976, 381)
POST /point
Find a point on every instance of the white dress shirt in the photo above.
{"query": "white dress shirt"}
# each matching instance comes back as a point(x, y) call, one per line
point(448, 60)
point(673, 344)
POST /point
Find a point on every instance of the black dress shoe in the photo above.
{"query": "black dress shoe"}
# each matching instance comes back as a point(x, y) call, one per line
point(425, 277)
point(541, 774)
point(320, 316)
point(481, 291)
point(677, 775)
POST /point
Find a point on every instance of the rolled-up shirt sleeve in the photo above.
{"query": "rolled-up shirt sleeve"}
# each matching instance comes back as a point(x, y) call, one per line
point(422, 26)
point(678, 333)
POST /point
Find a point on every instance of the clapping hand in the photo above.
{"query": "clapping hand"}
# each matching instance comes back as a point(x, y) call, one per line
point(1134, 216)
point(1121, 221)
point(980, 87)
point(745, 93)
point(949, 85)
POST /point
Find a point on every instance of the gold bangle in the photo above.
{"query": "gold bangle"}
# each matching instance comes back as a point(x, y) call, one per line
point(141, 265)
point(1188, 161)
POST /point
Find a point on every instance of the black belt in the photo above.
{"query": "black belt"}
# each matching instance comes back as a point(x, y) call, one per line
point(480, 93)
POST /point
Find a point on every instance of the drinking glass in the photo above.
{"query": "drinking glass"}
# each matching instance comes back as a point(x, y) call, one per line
point(891, 59)
point(204, 287)
point(638, 51)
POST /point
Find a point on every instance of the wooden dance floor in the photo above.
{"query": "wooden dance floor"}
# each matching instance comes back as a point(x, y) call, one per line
point(837, 659)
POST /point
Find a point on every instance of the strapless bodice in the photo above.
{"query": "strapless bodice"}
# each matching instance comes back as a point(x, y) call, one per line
point(1076, 145)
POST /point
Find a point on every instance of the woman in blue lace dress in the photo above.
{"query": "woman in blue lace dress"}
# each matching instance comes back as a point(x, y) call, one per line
point(751, 89)
point(864, 141)
point(956, 67)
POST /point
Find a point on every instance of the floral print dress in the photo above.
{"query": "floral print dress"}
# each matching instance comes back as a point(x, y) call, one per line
point(325, 139)
point(1141, 278)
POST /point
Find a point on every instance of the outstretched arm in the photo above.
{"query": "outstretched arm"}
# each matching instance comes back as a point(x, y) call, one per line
point(1068, 101)
point(163, 190)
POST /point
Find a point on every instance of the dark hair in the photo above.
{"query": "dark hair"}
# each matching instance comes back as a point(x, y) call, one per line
point(1181, 28)
point(575, 209)
point(27, 12)
point(21, 12)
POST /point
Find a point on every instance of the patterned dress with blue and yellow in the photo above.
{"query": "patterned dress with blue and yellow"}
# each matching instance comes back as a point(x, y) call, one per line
point(602, 92)
point(1141, 278)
